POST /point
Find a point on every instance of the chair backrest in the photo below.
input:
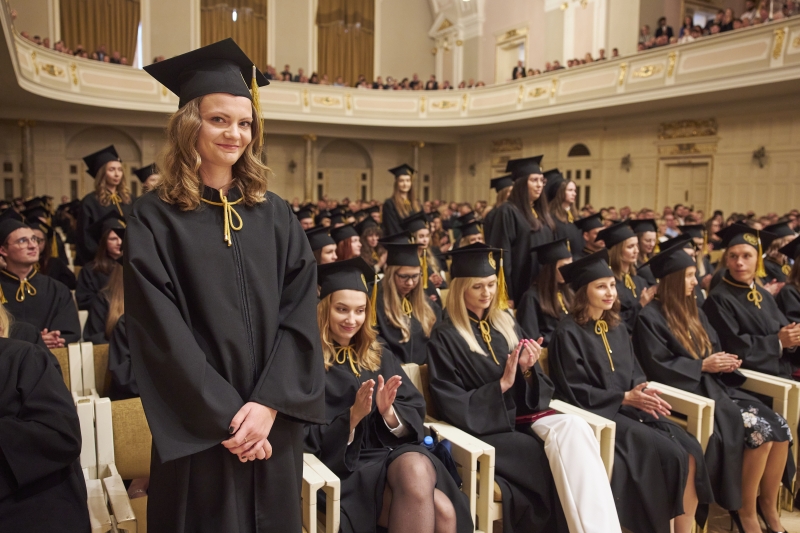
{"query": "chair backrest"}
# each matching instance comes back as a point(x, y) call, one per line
point(102, 377)
point(418, 374)
point(132, 439)
point(544, 362)
point(62, 356)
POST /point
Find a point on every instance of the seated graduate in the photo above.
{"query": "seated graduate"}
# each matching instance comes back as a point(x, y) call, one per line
point(549, 298)
point(31, 297)
point(405, 315)
point(371, 249)
point(41, 481)
point(306, 217)
point(561, 196)
point(485, 380)
point(49, 264)
point(470, 234)
point(623, 252)
point(788, 299)
point(149, 176)
point(108, 232)
point(348, 243)
point(744, 314)
point(589, 227)
point(776, 264)
point(375, 419)
point(419, 228)
point(659, 469)
point(21, 331)
point(677, 346)
point(646, 231)
point(322, 244)
point(106, 309)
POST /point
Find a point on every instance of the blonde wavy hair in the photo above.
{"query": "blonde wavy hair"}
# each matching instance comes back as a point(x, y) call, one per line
point(501, 320)
point(102, 192)
point(179, 163)
point(392, 304)
point(367, 348)
point(6, 320)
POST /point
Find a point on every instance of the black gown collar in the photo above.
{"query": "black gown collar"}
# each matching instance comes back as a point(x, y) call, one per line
point(212, 195)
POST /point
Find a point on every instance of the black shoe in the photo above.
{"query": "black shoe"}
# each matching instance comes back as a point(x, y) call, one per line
point(761, 514)
point(736, 519)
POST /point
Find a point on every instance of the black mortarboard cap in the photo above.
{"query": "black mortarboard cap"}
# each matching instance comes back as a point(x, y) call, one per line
point(551, 252)
point(589, 223)
point(94, 162)
point(221, 67)
point(553, 180)
point(304, 214)
point(365, 224)
point(353, 274)
point(669, 260)
point(319, 237)
point(781, 229)
point(792, 249)
point(743, 234)
point(110, 221)
point(522, 168)
point(35, 223)
point(402, 170)
point(466, 219)
point(471, 228)
point(641, 225)
point(402, 255)
point(415, 222)
point(498, 184)
point(615, 234)
point(145, 172)
point(10, 221)
point(322, 215)
point(684, 239)
point(587, 269)
point(35, 211)
point(474, 261)
point(398, 238)
point(696, 231)
point(368, 211)
point(343, 233)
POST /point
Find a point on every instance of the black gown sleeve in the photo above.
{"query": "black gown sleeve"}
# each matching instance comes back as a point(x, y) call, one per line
point(94, 330)
point(86, 287)
point(65, 317)
point(788, 301)
point(503, 235)
point(390, 221)
point(527, 315)
point(123, 382)
point(87, 215)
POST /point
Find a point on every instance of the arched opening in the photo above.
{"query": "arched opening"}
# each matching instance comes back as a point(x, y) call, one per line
point(344, 170)
point(579, 150)
point(581, 173)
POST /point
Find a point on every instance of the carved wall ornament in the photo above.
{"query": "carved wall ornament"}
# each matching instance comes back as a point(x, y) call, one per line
point(673, 57)
point(687, 128)
point(780, 35)
point(445, 24)
point(459, 42)
point(305, 97)
point(444, 104)
point(73, 69)
point(521, 94)
point(506, 145)
point(796, 42)
point(348, 100)
point(553, 87)
point(647, 71)
point(327, 101)
point(464, 102)
point(421, 104)
point(537, 92)
point(623, 68)
point(35, 64)
point(53, 70)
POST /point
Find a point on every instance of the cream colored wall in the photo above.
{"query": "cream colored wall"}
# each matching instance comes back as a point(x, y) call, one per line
point(174, 27)
point(32, 17)
point(294, 23)
point(623, 26)
point(501, 16)
point(404, 44)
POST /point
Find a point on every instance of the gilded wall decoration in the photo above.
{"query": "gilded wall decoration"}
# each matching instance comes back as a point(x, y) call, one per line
point(506, 145)
point(647, 71)
point(687, 128)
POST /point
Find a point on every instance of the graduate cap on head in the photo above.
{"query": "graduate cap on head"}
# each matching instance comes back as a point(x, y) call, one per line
point(365, 224)
point(616, 234)
point(367, 211)
point(221, 67)
point(640, 225)
point(792, 249)
point(319, 238)
point(145, 172)
point(469, 217)
point(587, 269)
point(474, 261)
point(553, 180)
point(35, 211)
point(743, 234)
point(589, 223)
point(498, 184)
point(353, 274)
point(403, 237)
point(35, 223)
point(343, 233)
point(415, 222)
point(321, 216)
point(671, 259)
point(471, 228)
point(402, 170)
point(304, 214)
point(110, 221)
point(552, 252)
point(337, 217)
point(522, 168)
point(684, 239)
point(696, 231)
point(781, 229)
point(10, 221)
point(94, 162)
point(402, 255)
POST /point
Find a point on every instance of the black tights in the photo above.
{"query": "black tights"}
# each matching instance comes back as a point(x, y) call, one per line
point(411, 501)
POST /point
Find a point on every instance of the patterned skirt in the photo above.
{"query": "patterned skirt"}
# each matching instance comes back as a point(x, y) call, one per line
point(762, 424)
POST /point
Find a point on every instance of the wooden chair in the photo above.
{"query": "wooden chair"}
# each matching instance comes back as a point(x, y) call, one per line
point(316, 477)
point(99, 518)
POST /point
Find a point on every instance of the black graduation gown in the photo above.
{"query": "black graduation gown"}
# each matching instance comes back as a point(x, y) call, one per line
point(52, 307)
point(211, 327)
point(651, 456)
point(535, 322)
point(90, 282)
point(412, 351)
point(41, 481)
point(646, 274)
point(58, 270)
point(22, 331)
point(629, 304)
point(488, 222)
point(774, 271)
point(788, 301)
point(94, 330)
point(390, 221)
point(91, 211)
point(511, 231)
point(747, 331)
point(432, 291)
point(571, 232)
point(362, 465)
point(664, 359)
point(123, 382)
point(465, 387)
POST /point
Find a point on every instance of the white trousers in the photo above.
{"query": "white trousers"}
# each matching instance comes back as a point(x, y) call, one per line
point(580, 477)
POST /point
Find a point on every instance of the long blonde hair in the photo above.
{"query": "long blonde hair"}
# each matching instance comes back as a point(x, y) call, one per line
point(6, 320)
point(367, 348)
point(102, 192)
point(501, 320)
point(392, 304)
point(180, 161)
point(114, 292)
point(413, 204)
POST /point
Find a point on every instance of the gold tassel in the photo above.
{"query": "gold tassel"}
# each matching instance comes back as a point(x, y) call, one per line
point(54, 247)
point(760, 270)
point(502, 288)
point(373, 304)
point(424, 268)
point(2, 297)
point(786, 269)
point(257, 105)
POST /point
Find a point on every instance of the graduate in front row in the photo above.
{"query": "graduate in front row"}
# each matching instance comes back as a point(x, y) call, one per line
point(744, 314)
point(375, 417)
point(677, 346)
point(485, 380)
point(788, 299)
point(659, 469)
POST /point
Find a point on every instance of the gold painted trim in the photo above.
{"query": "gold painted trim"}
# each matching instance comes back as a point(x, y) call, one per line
point(445, 24)
point(444, 104)
point(623, 68)
point(780, 35)
point(687, 128)
point(673, 57)
point(421, 104)
point(647, 71)
point(327, 101)
point(464, 102)
point(553, 88)
point(537, 92)
point(348, 101)
point(53, 70)
point(73, 69)
point(521, 94)
point(35, 64)
point(796, 42)
point(305, 97)
point(459, 42)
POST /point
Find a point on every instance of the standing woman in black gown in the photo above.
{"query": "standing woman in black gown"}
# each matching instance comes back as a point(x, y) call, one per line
point(789, 298)
point(659, 469)
point(502, 186)
point(403, 202)
point(219, 304)
point(677, 346)
point(561, 196)
point(520, 224)
point(375, 421)
point(646, 231)
point(110, 193)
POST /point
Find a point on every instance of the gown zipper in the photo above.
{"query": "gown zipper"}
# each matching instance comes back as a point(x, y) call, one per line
point(237, 256)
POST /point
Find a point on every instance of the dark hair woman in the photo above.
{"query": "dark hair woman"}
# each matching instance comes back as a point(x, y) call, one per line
point(108, 232)
point(646, 231)
point(50, 265)
point(788, 299)
point(502, 187)
point(375, 420)
point(403, 202)
point(371, 249)
point(659, 469)
point(677, 346)
point(106, 310)
point(561, 196)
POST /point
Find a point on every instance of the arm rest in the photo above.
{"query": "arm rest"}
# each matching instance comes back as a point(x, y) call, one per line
point(85, 408)
point(699, 411)
point(332, 489)
point(778, 389)
point(96, 501)
point(121, 508)
point(605, 430)
point(312, 482)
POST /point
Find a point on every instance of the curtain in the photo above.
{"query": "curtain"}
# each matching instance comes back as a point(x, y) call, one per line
point(113, 23)
point(345, 37)
point(249, 30)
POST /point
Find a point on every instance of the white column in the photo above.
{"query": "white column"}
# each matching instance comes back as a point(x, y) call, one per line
point(458, 61)
point(439, 60)
point(308, 185)
point(271, 33)
point(312, 36)
point(376, 36)
point(569, 34)
point(54, 20)
point(600, 27)
point(144, 16)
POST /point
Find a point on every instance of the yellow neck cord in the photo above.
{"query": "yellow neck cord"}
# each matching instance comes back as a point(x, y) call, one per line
point(375, 256)
point(535, 214)
point(228, 212)
point(569, 216)
point(345, 353)
point(752, 296)
point(117, 201)
point(407, 308)
point(486, 334)
point(630, 284)
point(601, 328)
point(561, 301)
point(24, 286)
point(786, 269)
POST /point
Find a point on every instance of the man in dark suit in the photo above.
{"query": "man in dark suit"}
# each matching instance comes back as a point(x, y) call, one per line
point(663, 29)
point(519, 71)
